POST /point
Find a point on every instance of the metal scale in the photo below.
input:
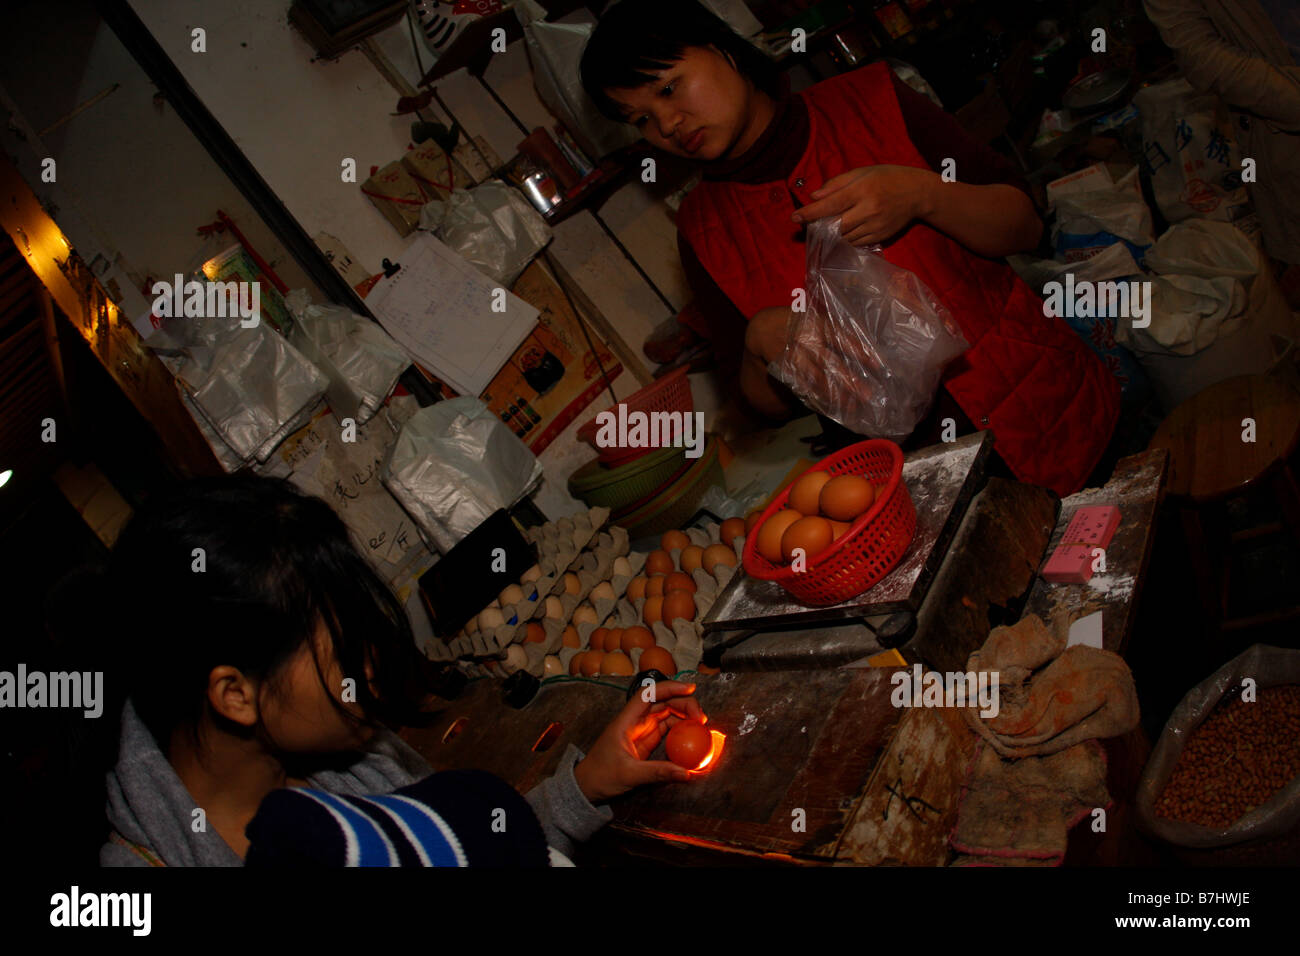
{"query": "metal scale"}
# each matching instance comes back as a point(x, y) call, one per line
point(756, 625)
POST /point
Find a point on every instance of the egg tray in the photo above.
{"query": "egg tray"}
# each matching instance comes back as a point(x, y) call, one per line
point(593, 568)
point(560, 546)
point(685, 639)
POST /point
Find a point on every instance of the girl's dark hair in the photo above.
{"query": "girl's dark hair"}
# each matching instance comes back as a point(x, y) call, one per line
point(636, 38)
point(276, 562)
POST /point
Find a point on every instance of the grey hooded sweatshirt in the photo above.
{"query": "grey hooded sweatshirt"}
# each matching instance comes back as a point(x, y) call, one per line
point(150, 808)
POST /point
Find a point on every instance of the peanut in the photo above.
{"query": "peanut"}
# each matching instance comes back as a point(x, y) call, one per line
point(1236, 760)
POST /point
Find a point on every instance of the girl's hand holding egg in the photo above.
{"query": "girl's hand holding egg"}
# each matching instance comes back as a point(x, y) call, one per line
point(617, 760)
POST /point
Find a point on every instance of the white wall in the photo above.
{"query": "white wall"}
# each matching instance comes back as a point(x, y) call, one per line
point(296, 119)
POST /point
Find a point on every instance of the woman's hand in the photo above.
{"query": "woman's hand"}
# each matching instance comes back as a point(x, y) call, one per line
point(617, 760)
point(874, 203)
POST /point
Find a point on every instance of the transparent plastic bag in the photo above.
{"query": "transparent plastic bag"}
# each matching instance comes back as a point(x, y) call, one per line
point(873, 343)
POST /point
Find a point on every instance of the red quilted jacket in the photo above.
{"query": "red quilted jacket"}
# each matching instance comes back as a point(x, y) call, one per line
point(1048, 399)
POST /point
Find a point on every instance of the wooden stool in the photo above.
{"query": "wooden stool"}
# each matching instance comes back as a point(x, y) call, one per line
point(1210, 465)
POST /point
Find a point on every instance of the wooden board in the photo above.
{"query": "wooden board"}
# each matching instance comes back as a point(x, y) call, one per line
point(809, 743)
point(1137, 487)
point(112, 338)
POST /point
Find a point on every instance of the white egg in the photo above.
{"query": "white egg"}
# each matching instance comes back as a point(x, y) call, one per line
point(623, 566)
point(490, 619)
point(532, 574)
point(512, 594)
point(603, 590)
point(554, 608)
point(515, 658)
point(584, 613)
point(471, 626)
point(551, 666)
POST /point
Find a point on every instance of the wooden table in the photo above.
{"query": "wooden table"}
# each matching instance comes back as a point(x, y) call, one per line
point(819, 767)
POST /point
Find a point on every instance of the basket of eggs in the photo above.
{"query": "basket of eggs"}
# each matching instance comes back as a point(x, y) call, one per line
point(852, 517)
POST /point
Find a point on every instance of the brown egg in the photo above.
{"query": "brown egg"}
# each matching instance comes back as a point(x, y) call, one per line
point(535, 633)
point(656, 658)
point(636, 588)
point(570, 637)
point(659, 562)
point(770, 532)
point(845, 497)
point(636, 636)
point(591, 662)
point(655, 586)
point(732, 529)
point(806, 490)
point(571, 584)
point(617, 664)
point(653, 610)
point(692, 558)
point(706, 669)
point(575, 663)
point(598, 638)
point(614, 639)
point(678, 604)
point(813, 534)
point(716, 554)
point(838, 528)
point(751, 519)
point(673, 539)
point(678, 581)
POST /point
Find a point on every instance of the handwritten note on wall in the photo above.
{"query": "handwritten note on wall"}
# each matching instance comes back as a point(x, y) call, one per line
point(454, 320)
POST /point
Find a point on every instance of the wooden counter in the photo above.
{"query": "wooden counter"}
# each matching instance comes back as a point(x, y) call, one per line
point(819, 766)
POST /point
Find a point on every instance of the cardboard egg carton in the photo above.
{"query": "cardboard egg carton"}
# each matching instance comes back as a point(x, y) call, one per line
point(685, 639)
point(560, 546)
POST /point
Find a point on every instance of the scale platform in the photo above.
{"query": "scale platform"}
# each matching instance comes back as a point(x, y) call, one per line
point(942, 479)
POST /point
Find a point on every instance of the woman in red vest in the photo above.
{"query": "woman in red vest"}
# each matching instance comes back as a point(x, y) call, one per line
point(868, 149)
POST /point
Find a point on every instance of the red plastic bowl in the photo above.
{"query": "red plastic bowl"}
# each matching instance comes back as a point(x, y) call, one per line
point(672, 393)
point(863, 555)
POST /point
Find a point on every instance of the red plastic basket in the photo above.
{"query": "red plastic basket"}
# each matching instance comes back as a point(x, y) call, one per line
point(873, 545)
point(672, 393)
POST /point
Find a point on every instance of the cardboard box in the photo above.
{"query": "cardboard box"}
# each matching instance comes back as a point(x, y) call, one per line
point(397, 195)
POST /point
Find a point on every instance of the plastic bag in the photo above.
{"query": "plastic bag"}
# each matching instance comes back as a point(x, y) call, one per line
point(1268, 667)
point(491, 226)
point(455, 463)
point(1190, 156)
point(555, 51)
point(249, 386)
point(1088, 222)
point(871, 347)
point(360, 359)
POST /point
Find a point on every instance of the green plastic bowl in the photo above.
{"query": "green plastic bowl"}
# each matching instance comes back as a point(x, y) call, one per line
point(675, 505)
point(627, 485)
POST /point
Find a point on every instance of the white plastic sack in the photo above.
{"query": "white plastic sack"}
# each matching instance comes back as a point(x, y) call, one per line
point(555, 51)
point(453, 464)
point(492, 226)
point(1188, 153)
point(250, 385)
point(1202, 247)
point(1088, 222)
point(1187, 314)
point(1113, 262)
point(871, 347)
point(361, 360)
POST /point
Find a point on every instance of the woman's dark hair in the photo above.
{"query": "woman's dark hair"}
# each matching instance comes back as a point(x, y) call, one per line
point(636, 38)
point(275, 562)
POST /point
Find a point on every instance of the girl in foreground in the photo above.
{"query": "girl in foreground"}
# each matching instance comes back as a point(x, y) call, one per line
point(236, 662)
point(865, 148)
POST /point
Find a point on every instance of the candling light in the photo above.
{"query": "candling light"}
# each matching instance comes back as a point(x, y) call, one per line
point(719, 741)
point(5, 476)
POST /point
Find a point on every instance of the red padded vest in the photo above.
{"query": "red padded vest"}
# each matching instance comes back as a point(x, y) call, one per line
point(1050, 402)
